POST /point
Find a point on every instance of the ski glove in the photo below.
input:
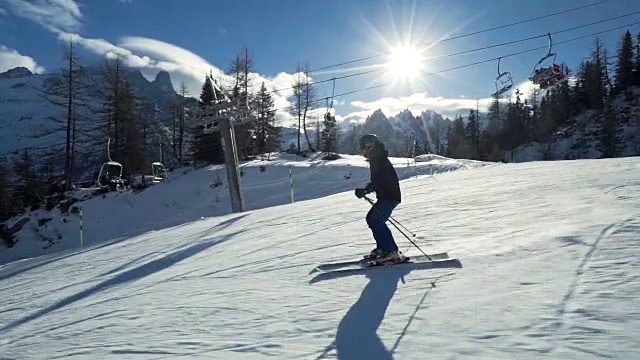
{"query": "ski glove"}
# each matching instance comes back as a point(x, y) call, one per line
point(369, 188)
point(360, 193)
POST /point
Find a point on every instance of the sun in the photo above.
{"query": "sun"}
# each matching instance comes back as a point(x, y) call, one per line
point(406, 62)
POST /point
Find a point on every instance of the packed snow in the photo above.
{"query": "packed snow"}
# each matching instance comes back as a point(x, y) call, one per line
point(549, 254)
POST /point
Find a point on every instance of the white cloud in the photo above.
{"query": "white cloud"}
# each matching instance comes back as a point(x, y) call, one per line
point(164, 52)
point(140, 53)
point(10, 59)
point(3, 12)
point(55, 15)
point(184, 66)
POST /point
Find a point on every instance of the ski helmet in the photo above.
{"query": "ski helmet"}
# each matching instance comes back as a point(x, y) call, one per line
point(368, 140)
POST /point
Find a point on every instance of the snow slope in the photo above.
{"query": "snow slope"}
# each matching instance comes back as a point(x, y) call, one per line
point(191, 195)
point(550, 270)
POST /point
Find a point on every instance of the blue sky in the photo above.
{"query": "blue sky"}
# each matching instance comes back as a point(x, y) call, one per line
point(189, 37)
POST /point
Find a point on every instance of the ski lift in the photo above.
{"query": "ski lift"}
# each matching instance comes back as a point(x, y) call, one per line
point(504, 82)
point(328, 116)
point(547, 76)
point(211, 124)
point(159, 172)
point(110, 164)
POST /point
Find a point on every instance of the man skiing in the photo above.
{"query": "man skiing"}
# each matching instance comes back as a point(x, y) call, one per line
point(384, 182)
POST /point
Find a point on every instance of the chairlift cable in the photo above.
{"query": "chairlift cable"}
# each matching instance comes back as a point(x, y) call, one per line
point(474, 33)
point(464, 52)
point(475, 63)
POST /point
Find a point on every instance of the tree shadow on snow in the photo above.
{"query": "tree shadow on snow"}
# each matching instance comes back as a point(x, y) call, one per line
point(21, 266)
point(130, 275)
point(357, 336)
point(201, 235)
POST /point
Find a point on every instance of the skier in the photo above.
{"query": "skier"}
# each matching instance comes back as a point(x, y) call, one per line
point(384, 182)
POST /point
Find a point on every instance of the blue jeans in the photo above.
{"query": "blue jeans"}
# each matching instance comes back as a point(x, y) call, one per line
point(376, 219)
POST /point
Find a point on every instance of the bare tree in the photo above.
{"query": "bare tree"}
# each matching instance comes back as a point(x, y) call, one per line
point(310, 95)
point(303, 98)
point(121, 118)
point(297, 96)
point(68, 91)
point(241, 67)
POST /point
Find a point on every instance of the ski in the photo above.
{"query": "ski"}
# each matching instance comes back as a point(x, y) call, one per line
point(374, 263)
point(364, 262)
point(409, 265)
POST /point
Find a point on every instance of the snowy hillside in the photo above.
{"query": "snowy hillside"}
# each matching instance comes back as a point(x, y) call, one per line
point(549, 257)
point(191, 195)
point(579, 140)
point(25, 114)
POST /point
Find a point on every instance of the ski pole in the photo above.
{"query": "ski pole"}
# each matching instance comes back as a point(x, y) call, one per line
point(407, 230)
point(405, 235)
point(394, 220)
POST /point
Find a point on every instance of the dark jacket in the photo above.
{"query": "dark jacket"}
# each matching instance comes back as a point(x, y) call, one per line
point(384, 180)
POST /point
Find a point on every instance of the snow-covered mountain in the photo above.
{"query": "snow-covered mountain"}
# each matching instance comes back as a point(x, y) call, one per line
point(28, 118)
point(396, 131)
point(549, 255)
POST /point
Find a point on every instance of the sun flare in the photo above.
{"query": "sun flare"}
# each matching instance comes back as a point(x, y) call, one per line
point(405, 62)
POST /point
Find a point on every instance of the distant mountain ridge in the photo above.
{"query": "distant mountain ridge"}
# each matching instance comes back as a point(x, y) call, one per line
point(28, 106)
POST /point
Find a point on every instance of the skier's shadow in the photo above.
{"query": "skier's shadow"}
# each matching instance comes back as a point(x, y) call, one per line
point(357, 336)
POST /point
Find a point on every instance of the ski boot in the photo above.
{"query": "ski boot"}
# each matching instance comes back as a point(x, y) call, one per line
point(388, 258)
point(375, 253)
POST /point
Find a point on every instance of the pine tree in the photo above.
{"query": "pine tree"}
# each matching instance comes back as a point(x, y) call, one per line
point(581, 98)
point(545, 128)
point(457, 144)
point(515, 132)
point(636, 63)
point(207, 147)
point(596, 78)
point(490, 138)
point(435, 133)
point(330, 136)
point(610, 132)
point(624, 66)
point(29, 190)
point(473, 135)
point(184, 92)
point(267, 135)
point(7, 206)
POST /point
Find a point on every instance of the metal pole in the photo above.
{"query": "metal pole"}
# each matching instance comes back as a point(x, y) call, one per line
point(231, 161)
point(80, 219)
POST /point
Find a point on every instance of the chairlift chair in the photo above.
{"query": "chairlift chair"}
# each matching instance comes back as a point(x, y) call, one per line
point(159, 172)
point(547, 76)
point(110, 164)
point(504, 82)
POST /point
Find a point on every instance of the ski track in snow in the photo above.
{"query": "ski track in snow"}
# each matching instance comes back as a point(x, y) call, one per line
point(550, 270)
